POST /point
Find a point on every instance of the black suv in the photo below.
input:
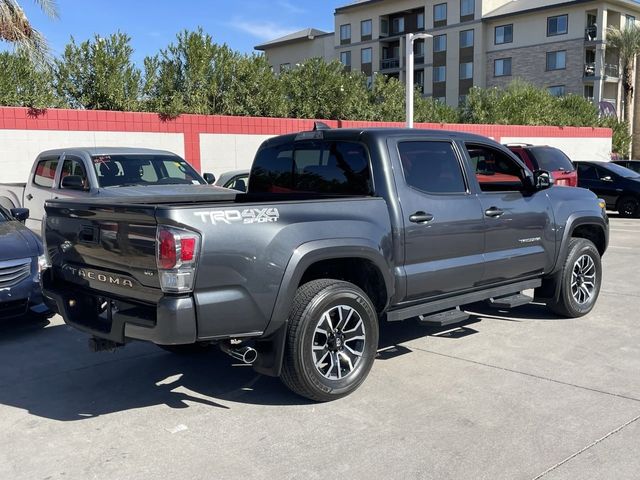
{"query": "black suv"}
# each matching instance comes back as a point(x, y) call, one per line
point(618, 186)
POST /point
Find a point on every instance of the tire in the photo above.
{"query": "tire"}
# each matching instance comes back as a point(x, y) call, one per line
point(580, 280)
point(187, 349)
point(628, 206)
point(313, 372)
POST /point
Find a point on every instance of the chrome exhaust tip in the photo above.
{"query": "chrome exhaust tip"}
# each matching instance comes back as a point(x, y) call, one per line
point(245, 354)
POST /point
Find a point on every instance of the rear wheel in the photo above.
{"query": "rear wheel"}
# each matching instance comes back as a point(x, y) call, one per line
point(580, 280)
point(628, 206)
point(332, 339)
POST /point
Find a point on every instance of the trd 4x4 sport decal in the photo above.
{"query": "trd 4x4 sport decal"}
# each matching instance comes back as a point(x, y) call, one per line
point(245, 216)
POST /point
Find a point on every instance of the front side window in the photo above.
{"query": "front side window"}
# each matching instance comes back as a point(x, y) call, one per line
point(317, 166)
point(495, 171)
point(365, 28)
point(345, 58)
point(502, 67)
point(132, 170)
point(73, 167)
point(503, 34)
point(45, 172)
point(466, 38)
point(431, 167)
point(440, 73)
point(345, 33)
point(440, 12)
point(466, 70)
point(440, 43)
point(557, 60)
point(467, 7)
point(558, 25)
point(365, 55)
point(557, 90)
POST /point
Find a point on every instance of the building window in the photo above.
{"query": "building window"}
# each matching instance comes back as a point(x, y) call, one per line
point(365, 55)
point(440, 43)
point(345, 58)
point(440, 13)
point(558, 25)
point(384, 27)
point(440, 73)
point(397, 25)
point(588, 92)
point(466, 38)
point(631, 20)
point(420, 21)
point(418, 48)
point(556, 90)
point(504, 34)
point(285, 66)
point(466, 70)
point(440, 99)
point(345, 33)
point(365, 29)
point(467, 7)
point(418, 79)
point(462, 100)
point(557, 60)
point(502, 67)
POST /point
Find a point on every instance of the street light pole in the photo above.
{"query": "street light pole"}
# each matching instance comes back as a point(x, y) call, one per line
point(410, 38)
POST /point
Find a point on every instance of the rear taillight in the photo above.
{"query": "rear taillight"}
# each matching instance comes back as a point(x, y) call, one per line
point(562, 182)
point(176, 255)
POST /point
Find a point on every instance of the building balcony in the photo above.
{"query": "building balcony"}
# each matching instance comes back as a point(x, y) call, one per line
point(389, 63)
point(590, 69)
point(611, 70)
point(591, 33)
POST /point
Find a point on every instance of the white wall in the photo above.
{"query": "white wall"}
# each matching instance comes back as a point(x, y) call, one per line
point(19, 148)
point(597, 148)
point(220, 153)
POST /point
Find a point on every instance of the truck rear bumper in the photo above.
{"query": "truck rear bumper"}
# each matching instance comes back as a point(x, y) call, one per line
point(171, 322)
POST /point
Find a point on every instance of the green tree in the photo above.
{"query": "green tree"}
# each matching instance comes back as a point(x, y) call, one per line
point(24, 83)
point(388, 100)
point(99, 74)
point(430, 110)
point(626, 42)
point(16, 28)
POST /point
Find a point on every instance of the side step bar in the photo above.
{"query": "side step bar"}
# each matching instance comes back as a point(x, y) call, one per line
point(448, 317)
point(448, 303)
point(509, 301)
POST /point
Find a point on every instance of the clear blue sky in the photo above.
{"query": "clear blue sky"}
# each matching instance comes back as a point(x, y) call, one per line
point(241, 24)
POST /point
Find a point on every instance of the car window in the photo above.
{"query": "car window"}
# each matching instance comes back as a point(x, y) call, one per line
point(317, 166)
point(134, 169)
point(622, 171)
point(524, 157)
point(495, 171)
point(551, 159)
point(4, 216)
point(73, 166)
point(45, 172)
point(238, 182)
point(431, 167)
point(587, 172)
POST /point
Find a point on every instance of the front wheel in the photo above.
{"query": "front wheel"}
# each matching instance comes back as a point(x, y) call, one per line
point(332, 339)
point(580, 280)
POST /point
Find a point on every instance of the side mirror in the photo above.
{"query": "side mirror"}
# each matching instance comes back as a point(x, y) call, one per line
point(210, 178)
point(542, 179)
point(73, 182)
point(20, 214)
point(607, 179)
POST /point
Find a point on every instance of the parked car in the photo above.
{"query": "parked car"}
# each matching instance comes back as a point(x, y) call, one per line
point(551, 159)
point(22, 260)
point(618, 186)
point(235, 179)
point(339, 229)
point(98, 172)
point(630, 164)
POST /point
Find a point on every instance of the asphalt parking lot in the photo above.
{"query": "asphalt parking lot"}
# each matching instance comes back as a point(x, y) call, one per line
point(510, 395)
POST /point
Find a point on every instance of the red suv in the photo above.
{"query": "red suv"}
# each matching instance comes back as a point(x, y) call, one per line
point(551, 159)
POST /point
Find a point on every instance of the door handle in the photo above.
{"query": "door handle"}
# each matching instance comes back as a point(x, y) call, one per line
point(421, 217)
point(493, 212)
point(29, 196)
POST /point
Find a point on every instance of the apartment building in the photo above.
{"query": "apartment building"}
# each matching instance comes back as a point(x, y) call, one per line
point(559, 45)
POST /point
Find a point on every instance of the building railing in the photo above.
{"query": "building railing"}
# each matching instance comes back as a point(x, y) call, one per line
point(612, 101)
point(611, 70)
point(591, 33)
point(387, 63)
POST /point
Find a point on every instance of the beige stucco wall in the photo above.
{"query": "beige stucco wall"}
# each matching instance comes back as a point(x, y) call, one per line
point(297, 52)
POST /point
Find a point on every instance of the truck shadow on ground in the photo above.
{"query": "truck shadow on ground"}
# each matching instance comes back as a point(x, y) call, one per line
point(51, 373)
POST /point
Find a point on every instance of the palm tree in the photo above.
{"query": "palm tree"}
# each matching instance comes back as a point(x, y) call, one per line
point(627, 42)
point(16, 28)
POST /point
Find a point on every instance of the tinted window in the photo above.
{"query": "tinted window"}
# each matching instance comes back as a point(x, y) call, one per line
point(45, 172)
point(587, 172)
point(75, 167)
point(557, 25)
point(622, 171)
point(549, 158)
point(504, 34)
point(495, 171)
point(129, 170)
point(431, 167)
point(325, 167)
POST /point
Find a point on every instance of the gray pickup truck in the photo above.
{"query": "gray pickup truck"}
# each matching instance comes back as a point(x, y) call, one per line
point(96, 172)
point(339, 229)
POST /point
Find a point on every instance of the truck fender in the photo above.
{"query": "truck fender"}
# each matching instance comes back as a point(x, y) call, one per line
point(271, 345)
point(9, 202)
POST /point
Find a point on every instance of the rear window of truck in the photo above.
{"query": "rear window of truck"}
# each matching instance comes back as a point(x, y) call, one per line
point(315, 166)
point(551, 159)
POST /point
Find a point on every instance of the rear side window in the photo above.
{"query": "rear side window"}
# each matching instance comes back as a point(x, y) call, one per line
point(550, 159)
point(324, 167)
point(587, 172)
point(431, 167)
point(45, 172)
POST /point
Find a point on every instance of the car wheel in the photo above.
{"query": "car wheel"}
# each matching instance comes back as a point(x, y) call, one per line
point(188, 349)
point(580, 280)
point(332, 340)
point(628, 206)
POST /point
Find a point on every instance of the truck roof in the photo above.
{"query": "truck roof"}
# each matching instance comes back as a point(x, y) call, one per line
point(92, 151)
